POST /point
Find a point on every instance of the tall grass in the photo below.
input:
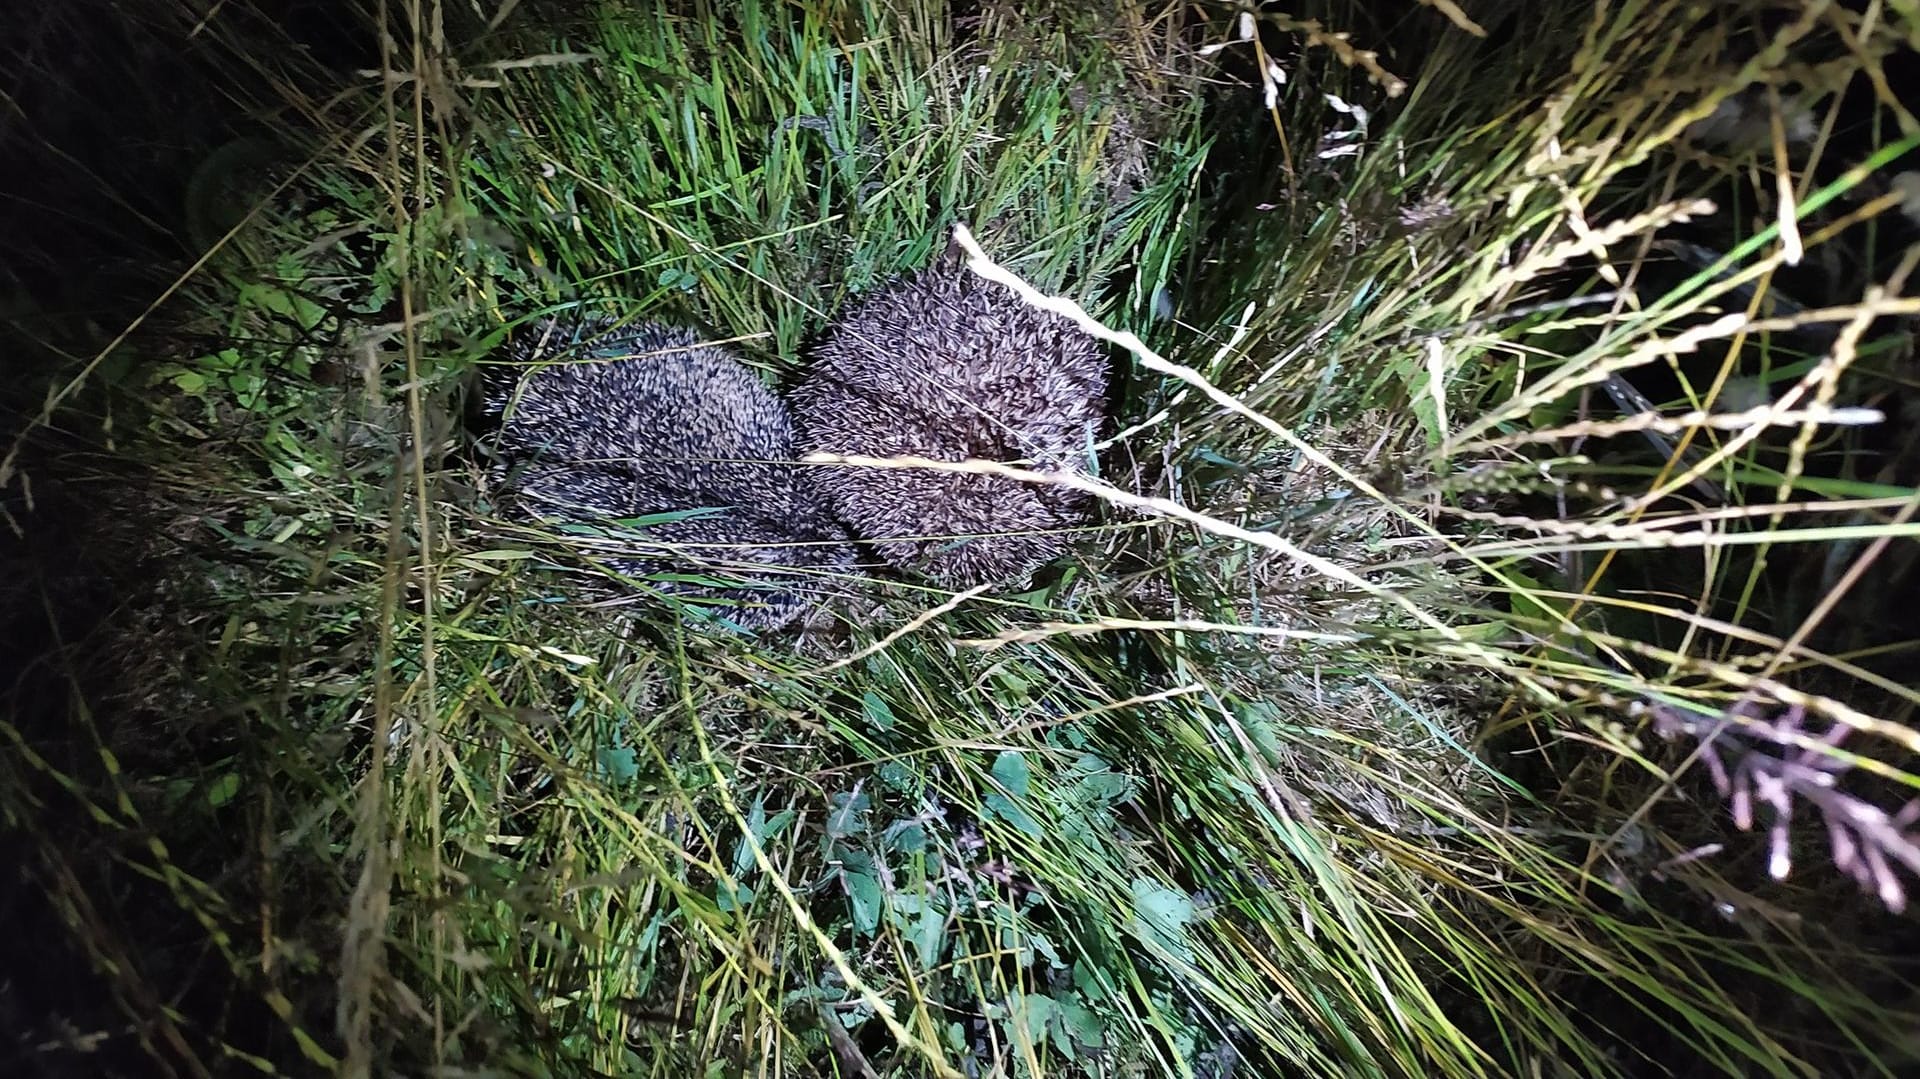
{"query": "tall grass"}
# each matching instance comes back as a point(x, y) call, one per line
point(1338, 747)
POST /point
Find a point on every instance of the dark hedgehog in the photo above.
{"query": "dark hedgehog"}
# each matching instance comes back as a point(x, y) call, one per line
point(943, 364)
point(625, 422)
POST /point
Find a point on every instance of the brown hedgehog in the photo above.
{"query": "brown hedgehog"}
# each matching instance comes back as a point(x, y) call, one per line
point(643, 420)
point(942, 364)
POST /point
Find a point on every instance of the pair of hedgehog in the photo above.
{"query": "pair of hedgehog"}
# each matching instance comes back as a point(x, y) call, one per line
point(644, 421)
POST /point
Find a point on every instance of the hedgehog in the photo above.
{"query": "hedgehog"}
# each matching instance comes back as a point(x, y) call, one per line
point(642, 420)
point(946, 365)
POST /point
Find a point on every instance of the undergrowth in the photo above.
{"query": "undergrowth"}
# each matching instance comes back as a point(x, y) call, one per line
point(1490, 658)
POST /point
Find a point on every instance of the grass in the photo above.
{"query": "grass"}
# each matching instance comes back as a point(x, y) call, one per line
point(1395, 719)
